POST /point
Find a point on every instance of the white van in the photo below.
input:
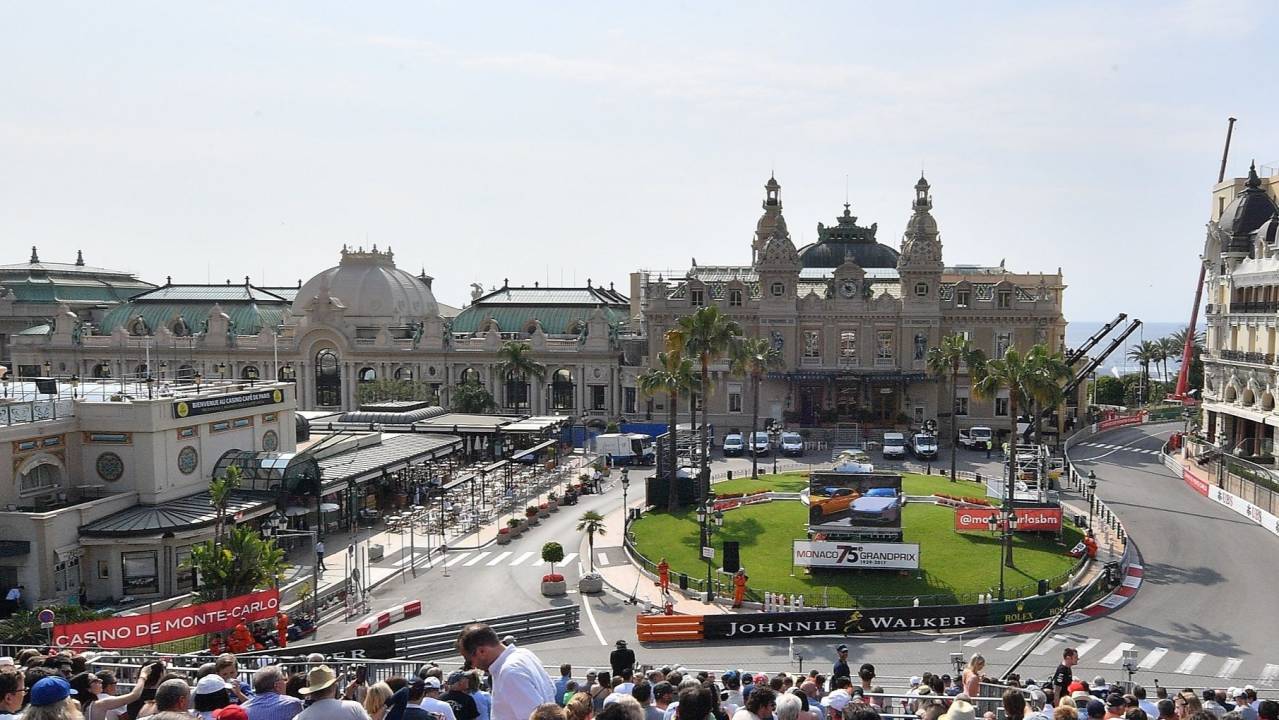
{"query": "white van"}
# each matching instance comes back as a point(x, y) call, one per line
point(626, 448)
point(894, 445)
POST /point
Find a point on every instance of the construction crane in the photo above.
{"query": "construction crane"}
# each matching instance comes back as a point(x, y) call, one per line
point(1075, 355)
point(1094, 363)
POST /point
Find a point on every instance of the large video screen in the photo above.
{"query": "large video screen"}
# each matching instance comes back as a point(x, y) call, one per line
point(840, 502)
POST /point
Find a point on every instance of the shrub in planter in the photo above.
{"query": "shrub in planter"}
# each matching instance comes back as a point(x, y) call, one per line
point(504, 536)
point(530, 515)
point(554, 585)
point(544, 510)
point(516, 526)
point(591, 583)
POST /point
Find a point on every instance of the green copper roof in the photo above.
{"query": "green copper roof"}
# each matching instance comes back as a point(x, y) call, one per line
point(246, 318)
point(515, 318)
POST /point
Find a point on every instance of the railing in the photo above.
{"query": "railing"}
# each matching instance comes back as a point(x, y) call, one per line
point(36, 410)
point(441, 640)
point(1269, 306)
point(1248, 357)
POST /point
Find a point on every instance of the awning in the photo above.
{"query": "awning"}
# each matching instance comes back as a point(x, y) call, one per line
point(393, 453)
point(178, 516)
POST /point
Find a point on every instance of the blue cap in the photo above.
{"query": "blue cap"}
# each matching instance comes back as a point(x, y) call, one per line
point(50, 690)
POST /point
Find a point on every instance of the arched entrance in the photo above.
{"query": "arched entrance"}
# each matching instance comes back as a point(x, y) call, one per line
point(562, 390)
point(328, 379)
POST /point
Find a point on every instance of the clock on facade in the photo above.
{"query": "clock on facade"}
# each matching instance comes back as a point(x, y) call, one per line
point(848, 288)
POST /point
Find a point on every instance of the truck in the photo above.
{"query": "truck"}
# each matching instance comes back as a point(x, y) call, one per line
point(977, 437)
point(923, 445)
point(894, 445)
point(626, 448)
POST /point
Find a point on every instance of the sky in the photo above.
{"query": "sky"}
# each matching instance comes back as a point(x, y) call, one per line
point(566, 141)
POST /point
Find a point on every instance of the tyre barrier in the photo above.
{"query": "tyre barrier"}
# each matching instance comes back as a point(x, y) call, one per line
point(373, 623)
point(668, 628)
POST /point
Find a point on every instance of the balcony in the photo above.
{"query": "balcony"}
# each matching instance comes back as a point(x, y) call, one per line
point(1269, 307)
point(1247, 357)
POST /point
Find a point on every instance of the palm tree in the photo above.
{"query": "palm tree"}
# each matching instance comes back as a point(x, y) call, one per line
point(516, 365)
point(752, 357)
point(1170, 350)
point(242, 562)
point(1050, 375)
point(1144, 353)
point(708, 335)
point(1014, 373)
point(591, 523)
point(219, 495)
point(672, 377)
point(946, 359)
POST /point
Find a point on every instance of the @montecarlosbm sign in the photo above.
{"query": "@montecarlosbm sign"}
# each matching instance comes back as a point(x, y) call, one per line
point(861, 556)
point(843, 622)
point(219, 403)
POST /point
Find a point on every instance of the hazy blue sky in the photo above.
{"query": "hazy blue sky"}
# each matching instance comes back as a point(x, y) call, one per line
point(575, 140)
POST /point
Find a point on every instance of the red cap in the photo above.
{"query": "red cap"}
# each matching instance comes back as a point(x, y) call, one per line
point(230, 712)
point(1075, 686)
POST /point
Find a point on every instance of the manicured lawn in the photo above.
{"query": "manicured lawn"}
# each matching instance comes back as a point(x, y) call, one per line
point(954, 566)
point(912, 483)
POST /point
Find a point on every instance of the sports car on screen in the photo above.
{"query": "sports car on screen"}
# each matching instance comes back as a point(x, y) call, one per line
point(873, 509)
point(832, 501)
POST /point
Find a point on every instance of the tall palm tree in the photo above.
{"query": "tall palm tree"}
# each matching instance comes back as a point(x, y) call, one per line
point(516, 365)
point(945, 360)
point(672, 377)
point(1050, 374)
point(752, 357)
point(1012, 372)
point(591, 523)
point(1171, 351)
point(708, 335)
point(1144, 353)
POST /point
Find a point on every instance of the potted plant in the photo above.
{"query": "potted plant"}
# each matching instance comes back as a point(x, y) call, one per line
point(530, 514)
point(553, 501)
point(553, 583)
point(591, 523)
point(544, 510)
point(516, 526)
point(504, 536)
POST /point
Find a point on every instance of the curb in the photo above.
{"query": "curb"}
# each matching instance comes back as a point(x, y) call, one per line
point(1115, 600)
point(376, 622)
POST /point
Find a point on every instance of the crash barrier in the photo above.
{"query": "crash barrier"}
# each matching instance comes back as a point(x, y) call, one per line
point(376, 622)
point(668, 628)
point(1200, 481)
point(441, 640)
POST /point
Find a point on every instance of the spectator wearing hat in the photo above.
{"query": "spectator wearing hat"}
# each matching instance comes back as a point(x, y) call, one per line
point(230, 712)
point(49, 700)
point(839, 697)
point(431, 701)
point(622, 659)
point(1242, 706)
point(412, 696)
point(321, 688)
point(520, 683)
point(841, 668)
point(456, 686)
point(269, 701)
point(211, 693)
point(1115, 706)
point(1095, 709)
point(961, 709)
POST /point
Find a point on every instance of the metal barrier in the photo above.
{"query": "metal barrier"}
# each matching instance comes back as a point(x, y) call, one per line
point(441, 640)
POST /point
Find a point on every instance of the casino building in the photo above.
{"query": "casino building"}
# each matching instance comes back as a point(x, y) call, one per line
point(854, 317)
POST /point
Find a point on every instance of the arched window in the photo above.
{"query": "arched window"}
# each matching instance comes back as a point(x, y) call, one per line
point(366, 374)
point(470, 376)
point(101, 371)
point(562, 390)
point(328, 379)
point(41, 477)
point(403, 373)
point(249, 372)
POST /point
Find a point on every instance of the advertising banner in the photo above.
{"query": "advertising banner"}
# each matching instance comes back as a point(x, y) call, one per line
point(1123, 421)
point(1193, 480)
point(1245, 508)
point(842, 622)
point(1039, 519)
point(861, 556)
point(371, 647)
point(220, 403)
point(131, 631)
point(846, 502)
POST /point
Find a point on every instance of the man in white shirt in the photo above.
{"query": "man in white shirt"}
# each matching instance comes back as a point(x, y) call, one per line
point(432, 703)
point(520, 683)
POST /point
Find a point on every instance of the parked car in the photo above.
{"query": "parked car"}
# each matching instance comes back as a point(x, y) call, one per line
point(853, 461)
point(761, 445)
point(734, 445)
point(977, 437)
point(923, 445)
point(894, 446)
point(831, 501)
point(792, 444)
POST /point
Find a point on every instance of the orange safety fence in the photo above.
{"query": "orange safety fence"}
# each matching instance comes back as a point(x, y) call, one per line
point(668, 628)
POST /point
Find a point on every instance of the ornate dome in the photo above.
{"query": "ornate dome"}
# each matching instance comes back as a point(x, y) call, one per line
point(1241, 218)
point(368, 285)
point(779, 250)
point(847, 241)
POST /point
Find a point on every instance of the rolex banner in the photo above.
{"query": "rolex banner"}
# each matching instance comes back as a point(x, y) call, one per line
point(843, 622)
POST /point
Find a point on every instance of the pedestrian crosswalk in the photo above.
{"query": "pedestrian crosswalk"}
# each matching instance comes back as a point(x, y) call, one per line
point(1096, 652)
point(508, 558)
point(1126, 448)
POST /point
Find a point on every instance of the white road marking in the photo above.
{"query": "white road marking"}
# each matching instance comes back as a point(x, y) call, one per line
point(943, 639)
point(1087, 645)
point(1113, 656)
point(1046, 646)
point(1229, 667)
point(1191, 662)
point(476, 559)
point(1152, 658)
point(1269, 673)
point(568, 558)
point(601, 559)
point(977, 641)
point(1014, 642)
point(457, 559)
point(586, 604)
point(500, 558)
point(520, 560)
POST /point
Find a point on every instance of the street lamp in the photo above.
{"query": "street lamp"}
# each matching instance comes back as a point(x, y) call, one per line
point(48, 369)
point(706, 513)
point(1005, 519)
point(775, 440)
point(626, 509)
point(1092, 496)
